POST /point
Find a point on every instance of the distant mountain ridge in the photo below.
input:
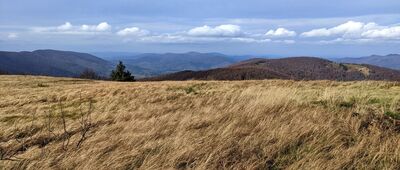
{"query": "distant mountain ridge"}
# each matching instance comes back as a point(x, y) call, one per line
point(156, 64)
point(52, 63)
point(390, 61)
point(202, 66)
point(295, 68)
point(109, 56)
point(71, 64)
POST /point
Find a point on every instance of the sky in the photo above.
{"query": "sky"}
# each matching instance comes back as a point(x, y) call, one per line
point(340, 28)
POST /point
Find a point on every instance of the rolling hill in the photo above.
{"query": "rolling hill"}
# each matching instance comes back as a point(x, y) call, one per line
point(390, 61)
point(295, 68)
point(52, 63)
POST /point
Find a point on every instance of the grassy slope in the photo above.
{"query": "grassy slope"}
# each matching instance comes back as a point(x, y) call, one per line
point(203, 125)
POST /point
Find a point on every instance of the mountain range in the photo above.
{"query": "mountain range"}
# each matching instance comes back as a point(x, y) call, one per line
point(71, 64)
point(152, 64)
point(204, 66)
point(294, 68)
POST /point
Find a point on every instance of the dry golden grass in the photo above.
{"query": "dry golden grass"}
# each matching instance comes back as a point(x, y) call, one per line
point(270, 124)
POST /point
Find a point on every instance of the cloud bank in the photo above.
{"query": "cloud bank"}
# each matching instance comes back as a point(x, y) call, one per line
point(347, 32)
point(356, 30)
point(68, 28)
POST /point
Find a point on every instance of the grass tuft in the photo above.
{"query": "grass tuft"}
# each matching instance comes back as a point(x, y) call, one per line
point(393, 115)
point(42, 85)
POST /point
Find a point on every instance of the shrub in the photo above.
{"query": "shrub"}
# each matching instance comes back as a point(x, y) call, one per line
point(89, 74)
point(190, 90)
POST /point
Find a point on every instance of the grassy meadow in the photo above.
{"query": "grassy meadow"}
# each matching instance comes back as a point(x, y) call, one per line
point(63, 123)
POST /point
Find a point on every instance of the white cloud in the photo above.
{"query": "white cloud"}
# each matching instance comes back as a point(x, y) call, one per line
point(351, 31)
point(168, 38)
point(323, 32)
point(104, 26)
point(348, 29)
point(250, 40)
point(12, 36)
point(207, 34)
point(260, 23)
point(68, 28)
point(384, 33)
point(133, 31)
point(281, 32)
point(86, 27)
point(218, 31)
point(347, 32)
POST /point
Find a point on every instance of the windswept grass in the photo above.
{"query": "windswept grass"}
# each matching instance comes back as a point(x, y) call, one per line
point(269, 124)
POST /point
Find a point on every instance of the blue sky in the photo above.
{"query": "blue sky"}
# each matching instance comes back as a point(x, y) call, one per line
point(339, 28)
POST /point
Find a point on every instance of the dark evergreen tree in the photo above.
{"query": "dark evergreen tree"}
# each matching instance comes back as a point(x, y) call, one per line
point(119, 74)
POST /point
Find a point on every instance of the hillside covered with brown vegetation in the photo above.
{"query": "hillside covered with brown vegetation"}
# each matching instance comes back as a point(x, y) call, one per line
point(389, 61)
point(62, 123)
point(294, 68)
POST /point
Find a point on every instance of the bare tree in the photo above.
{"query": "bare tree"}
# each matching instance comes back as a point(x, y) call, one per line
point(89, 74)
point(85, 120)
point(66, 135)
